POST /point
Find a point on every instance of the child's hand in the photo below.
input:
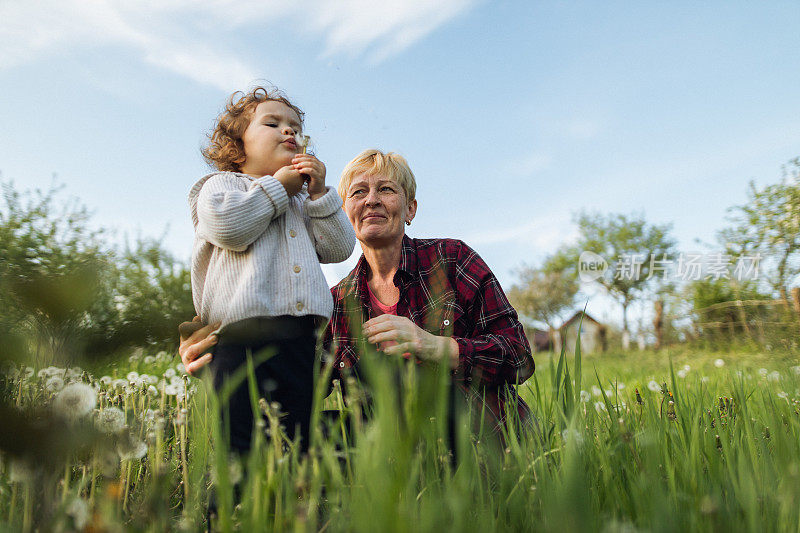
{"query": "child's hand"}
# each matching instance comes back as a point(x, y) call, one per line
point(314, 170)
point(291, 179)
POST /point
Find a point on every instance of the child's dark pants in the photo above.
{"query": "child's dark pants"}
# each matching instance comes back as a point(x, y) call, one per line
point(285, 377)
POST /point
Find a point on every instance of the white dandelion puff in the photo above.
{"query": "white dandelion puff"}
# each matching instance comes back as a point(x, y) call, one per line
point(681, 373)
point(763, 372)
point(783, 395)
point(131, 450)
point(572, 435)
point(105, 380)
point(169, 373)
point(687, 368)
point(149, 360)
point(132, 376)
point(78, 509)
point(719, 363)
point(585, 396)
point(774, 376)
point(600, 407)
point(110, 420)
point(54, 384)
point(180, 368)
point(704, 379)
point(20, 471)
point(654, 386)
point(596, 390)
point(75, 400)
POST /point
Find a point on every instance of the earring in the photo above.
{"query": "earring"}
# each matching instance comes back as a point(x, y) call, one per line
point(408, 222)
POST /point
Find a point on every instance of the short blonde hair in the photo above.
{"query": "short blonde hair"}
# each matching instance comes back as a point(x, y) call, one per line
point(372, 162)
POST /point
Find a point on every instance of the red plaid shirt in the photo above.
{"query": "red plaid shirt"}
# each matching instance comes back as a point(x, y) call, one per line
point(447, 290)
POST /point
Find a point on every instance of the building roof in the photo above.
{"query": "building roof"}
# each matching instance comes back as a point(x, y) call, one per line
point(577, 317)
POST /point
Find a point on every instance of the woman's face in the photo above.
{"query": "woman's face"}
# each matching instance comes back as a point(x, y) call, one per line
point(377, 209)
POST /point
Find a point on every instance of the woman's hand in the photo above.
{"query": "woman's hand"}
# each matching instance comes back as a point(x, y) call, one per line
point(412, 339)
point(314, 169)
point(195, 341)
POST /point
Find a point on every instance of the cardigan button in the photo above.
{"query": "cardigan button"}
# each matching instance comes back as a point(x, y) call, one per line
point(341, 364)
point(299, 306)
point(446, 322)
point(297, 269)
point(292, 233)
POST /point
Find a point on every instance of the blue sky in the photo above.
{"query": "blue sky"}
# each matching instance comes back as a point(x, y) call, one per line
point(513, 115)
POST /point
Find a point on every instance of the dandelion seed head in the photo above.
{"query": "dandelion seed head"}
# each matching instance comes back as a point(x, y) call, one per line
point(75, 400)
point(719, 363)
point(20, 471)
point(169, 373)
point(774, 376)
point(110, 420)
point(783, 395)
point(131, 450)
point(687, 368)
point(681, 373)
point(654, 386)
point(54, 384)
point(600, 407)
point(572, 436)
point(149, 360)
point(596, 390)
point(585, 396)
point(763, 372)
point(78, 509)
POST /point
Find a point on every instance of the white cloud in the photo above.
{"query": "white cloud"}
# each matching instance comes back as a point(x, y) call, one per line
point(187, 37)
point(544, 233)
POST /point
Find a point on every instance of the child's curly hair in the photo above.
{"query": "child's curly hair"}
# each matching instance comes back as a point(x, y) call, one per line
point(225, 149)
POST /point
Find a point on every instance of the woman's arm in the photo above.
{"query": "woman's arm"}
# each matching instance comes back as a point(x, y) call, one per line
point(232, 218)
point(495, 351)
point(333, 237)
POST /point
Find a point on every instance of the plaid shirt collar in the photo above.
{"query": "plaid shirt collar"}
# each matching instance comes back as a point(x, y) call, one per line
point(355, 284)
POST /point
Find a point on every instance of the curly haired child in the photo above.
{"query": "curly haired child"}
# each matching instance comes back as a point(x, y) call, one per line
point(264, 221)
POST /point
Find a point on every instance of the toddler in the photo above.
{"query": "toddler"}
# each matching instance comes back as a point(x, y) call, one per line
point(264, 221)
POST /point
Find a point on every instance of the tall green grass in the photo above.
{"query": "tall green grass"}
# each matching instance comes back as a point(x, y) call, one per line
point(606, 453)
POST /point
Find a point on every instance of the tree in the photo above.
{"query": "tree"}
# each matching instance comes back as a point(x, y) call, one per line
point(637, 251)
point(544, 293)
point(153, 293)
point(769, 225)
point(63, 288)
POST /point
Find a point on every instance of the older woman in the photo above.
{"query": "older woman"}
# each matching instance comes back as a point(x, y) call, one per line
point(433, 299)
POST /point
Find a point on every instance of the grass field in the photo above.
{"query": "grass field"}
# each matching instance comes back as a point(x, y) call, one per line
point(667, 441)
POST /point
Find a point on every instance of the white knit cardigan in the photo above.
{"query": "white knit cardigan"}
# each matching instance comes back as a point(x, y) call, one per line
point(257, 252)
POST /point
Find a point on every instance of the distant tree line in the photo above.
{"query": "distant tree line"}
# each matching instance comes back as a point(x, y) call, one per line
point(65, 291)
point(713, 308)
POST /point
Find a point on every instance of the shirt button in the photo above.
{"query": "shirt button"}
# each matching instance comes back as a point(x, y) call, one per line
point(292, 233)
point(299, 306)
point(341, 364)
point(296, 269)
point(446, 322)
